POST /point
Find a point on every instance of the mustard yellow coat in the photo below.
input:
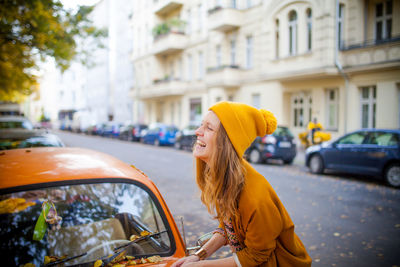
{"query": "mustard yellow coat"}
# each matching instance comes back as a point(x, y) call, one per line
point(264, 227)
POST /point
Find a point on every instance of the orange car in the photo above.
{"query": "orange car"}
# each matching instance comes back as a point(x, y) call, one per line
point(79, 207)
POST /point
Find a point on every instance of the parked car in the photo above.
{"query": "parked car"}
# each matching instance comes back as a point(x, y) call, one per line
point(279, 145)
point(111, 129)
point(74, 207)
point(159, 134)
point(10, 122)
point(374, 152)
point(23, 138)
point(131, 132)
point(186, 137)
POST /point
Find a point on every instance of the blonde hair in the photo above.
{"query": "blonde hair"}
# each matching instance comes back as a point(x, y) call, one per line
point(222, 181)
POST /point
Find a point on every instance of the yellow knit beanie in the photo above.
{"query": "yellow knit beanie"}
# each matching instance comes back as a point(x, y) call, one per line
point(243, 123)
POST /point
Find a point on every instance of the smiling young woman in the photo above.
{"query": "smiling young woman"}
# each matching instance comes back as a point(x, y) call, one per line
point(253, 221)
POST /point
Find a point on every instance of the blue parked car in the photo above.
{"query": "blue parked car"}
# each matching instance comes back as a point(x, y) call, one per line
point(374, 152)
point(278, 145)
point(160, 134)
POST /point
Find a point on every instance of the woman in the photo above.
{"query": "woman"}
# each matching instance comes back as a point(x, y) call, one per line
point(252, 219)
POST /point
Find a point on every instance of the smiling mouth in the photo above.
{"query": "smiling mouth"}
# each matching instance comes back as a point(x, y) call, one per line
point(198, 142)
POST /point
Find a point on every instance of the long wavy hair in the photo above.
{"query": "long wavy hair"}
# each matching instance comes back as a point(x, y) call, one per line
point(221, 181)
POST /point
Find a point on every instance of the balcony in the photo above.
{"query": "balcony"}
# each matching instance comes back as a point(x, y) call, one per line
point(224, 76)
point(169, 37)
point(224, 19)
point(166, 6)
point(169, 43)
point(163, 87)
point(370, 54)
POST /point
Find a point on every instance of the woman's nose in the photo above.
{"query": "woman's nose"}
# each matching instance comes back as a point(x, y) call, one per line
point(199, 131)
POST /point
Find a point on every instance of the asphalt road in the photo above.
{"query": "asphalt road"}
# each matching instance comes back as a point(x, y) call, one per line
point(342, 220)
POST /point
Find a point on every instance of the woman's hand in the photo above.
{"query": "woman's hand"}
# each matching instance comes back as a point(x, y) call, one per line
point(185, 261)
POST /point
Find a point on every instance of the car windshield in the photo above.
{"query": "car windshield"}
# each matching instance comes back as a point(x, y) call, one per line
point(282, 131)
point(96, 218)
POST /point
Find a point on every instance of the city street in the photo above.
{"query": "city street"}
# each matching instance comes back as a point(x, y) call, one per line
point(342, 220)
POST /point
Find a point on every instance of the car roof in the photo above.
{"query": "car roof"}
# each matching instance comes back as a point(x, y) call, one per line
point(19, 167)
point(377, 130)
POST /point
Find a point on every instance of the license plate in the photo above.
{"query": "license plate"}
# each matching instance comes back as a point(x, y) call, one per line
point(285, 144)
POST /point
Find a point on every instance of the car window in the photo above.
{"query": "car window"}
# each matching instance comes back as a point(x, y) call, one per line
point(95, 218)
point(15, 124)
point(353, 139)
point(383, 139)
point(282, 131)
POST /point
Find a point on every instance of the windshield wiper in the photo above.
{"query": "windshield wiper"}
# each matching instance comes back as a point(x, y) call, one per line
point(122, 248)
point(108, 259)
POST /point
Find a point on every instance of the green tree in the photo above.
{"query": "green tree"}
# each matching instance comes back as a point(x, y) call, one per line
point(33, 31)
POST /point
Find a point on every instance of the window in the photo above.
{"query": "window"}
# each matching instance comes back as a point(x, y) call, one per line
point(301, 109)
point(233, 52)
point(292, 33)
point(171, 71)
point(172, 113)
point(195, 110)
point(277, 38)
point(368, 107)
point(200, 17)
point(309, 29)
point(233, 4)
point(218, 56)
point(256, 100)
point(353, 139)
point(188, 23)
point(382, 139)
point(298, 112)
point(190, 68)
point(383, 20)
point(249, 3)
point(180, 69)
point(332, 109)
point(340, 22)
point(201, 65)
point(249, 52)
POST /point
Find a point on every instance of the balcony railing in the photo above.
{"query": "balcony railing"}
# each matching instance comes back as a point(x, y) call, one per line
point(164, 7)
point(368, 43)
point(370, 53)
point(224, 76)
point(224, 19)
point(164, 87)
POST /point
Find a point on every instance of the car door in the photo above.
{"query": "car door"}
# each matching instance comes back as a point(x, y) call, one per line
point(343, 154)
point(378, 147)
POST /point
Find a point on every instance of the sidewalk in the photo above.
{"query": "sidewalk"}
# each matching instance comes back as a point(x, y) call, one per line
point(300, 157)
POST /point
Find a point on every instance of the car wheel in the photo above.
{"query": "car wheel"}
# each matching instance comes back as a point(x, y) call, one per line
point(157, 142)
point(316, 164)
point(392, 175)
point(255, 156)
point(178, 145)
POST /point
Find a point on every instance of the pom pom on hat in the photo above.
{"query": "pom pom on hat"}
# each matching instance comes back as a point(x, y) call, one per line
point(270, 121)
point(243, 123)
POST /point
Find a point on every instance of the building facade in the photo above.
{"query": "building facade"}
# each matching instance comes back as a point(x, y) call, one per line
point(335, 61)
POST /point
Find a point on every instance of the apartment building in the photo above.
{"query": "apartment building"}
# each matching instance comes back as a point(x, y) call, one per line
point(336, 61)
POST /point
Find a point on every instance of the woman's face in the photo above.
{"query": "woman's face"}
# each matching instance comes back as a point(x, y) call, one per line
point(206, 137)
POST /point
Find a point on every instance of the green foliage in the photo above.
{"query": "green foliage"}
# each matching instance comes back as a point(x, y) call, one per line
point(174, 24)
point(31, 31)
